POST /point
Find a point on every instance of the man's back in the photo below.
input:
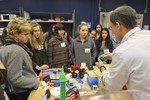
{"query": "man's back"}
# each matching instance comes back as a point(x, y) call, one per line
point(131, 61)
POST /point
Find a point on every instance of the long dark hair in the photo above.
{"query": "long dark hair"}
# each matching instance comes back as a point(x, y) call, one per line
point(50, 32)
point(68, 38)
point(100, 26)
point(108, 40)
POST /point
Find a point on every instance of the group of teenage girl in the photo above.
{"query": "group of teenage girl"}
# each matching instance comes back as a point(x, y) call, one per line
point(62, 49)
point(27, 51)
point(56, 47)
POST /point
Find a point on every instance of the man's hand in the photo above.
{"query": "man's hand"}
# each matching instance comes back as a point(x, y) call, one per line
point(108, 55)
point(100, 65)
point(102, 68)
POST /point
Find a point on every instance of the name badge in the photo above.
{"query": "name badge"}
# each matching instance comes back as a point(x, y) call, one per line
point(87, 50)
point(63, 44)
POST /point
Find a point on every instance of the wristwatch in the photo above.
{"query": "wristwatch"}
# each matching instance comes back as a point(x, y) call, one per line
point(100, 68)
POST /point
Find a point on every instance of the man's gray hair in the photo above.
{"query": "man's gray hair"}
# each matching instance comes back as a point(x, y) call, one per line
point(124, 15)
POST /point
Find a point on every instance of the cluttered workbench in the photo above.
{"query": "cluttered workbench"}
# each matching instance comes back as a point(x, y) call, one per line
point(82, 86)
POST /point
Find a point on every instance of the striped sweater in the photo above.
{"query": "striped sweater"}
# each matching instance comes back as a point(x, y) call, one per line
point(58, 52)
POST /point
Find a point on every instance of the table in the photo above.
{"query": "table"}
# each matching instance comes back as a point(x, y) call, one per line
point(36, 94)
point(1, 65)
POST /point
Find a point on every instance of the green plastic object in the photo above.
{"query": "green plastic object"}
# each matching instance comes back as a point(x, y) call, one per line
point(102, 58)
point(62, 80)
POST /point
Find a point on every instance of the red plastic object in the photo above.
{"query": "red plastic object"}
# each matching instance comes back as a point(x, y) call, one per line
point(75, 67)
point(51, 84)
point(76, 96)
point(42, 77)
point(124, 87)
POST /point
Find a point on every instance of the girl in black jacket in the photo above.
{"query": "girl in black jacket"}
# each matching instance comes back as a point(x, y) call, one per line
point(104, 42)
